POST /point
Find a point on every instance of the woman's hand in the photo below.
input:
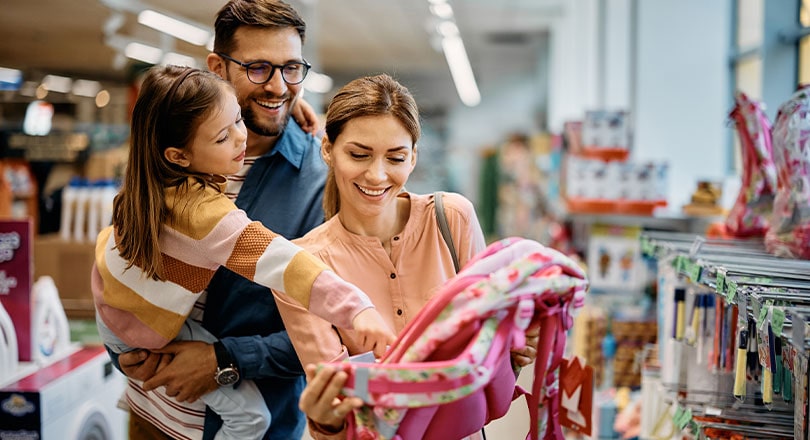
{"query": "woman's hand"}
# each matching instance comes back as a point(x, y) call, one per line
point(527, 354)
point(320, 399)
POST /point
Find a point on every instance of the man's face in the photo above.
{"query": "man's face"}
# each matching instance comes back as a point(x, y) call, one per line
point(265, 107)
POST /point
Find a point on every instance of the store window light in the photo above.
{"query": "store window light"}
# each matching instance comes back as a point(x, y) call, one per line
point(318, 82)
point(174, 27)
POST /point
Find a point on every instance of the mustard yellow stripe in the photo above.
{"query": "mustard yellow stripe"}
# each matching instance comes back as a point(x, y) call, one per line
point(164, 322)
point(196, 213)
point(300, 275)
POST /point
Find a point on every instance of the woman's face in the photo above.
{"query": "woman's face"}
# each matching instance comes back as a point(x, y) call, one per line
point(372, 159)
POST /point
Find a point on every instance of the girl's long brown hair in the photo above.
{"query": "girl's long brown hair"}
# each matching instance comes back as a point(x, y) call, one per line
point(378, 95)
point(172, 103)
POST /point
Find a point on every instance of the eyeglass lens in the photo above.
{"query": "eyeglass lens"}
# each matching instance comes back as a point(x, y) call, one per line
point(292, 73)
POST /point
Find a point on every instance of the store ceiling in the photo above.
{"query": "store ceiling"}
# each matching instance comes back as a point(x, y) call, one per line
point(346, 38)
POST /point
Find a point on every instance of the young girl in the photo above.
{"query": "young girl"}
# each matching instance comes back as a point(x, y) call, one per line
point(173, 227)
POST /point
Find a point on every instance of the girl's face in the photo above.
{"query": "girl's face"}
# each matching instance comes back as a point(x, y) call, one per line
point(218, 146)
point(372, 159)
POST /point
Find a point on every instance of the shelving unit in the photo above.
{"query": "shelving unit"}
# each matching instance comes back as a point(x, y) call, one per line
point(764, 297)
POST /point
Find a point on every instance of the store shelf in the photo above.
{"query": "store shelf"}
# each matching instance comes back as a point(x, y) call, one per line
point(770, 300)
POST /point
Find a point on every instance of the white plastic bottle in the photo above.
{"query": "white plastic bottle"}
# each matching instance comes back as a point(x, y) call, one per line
point(108, 193)
point(50, 332)
point(80, 211)
point(94, 208)
point(68, 207)
point(9, 355)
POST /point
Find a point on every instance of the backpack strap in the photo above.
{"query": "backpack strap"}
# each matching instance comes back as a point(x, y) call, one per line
point(444, 228)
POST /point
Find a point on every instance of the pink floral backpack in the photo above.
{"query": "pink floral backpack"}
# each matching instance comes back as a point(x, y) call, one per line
point(449, 373)
point(789, 231)
point(749, 215)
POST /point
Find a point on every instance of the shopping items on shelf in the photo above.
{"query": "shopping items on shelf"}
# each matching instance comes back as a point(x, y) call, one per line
point(749, 214)
point(86, 208)
point(746, 373)
point(596, 186)
point(789, 230)
point(16, 278)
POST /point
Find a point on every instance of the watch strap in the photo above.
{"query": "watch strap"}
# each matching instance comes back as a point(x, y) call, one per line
point(224, 359)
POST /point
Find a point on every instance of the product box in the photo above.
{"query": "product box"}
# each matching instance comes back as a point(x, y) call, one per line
point(73, 398)
point(69, 264)
point(614, 258)
point(16, 278)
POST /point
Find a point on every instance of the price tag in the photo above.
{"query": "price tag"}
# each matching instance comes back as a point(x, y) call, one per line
point(720, 282)
point(731, 290)
point(694, 272)
point(777, 321)
point(684, 419)
point(759, 312)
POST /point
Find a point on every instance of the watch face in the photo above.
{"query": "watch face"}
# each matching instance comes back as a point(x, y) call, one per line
point(227, 376)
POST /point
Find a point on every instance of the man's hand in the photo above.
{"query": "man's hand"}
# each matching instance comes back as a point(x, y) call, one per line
point(189, 374)
point(142, 364)
point(306, 117)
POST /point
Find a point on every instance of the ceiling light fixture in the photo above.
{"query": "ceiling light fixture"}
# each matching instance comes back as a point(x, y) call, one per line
point(461, 70)
point(87, 88)
point(178, 59)
point(174, 27)
point(56, 83)
point(455, 53)
point(143, 52)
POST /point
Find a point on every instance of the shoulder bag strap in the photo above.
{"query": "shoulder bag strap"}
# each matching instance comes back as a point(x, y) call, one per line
point(441, 219)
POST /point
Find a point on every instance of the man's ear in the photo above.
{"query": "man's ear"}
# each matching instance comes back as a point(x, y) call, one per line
point(326, 150)
point(216, 64)
point(177, 156)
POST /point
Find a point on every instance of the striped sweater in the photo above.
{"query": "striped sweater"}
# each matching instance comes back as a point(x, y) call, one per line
point(206, 231)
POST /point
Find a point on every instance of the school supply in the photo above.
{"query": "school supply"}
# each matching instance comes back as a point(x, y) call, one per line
point(449, 372)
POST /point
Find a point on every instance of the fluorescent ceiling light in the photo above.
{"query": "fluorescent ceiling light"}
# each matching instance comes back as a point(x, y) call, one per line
point(447, 29)
point(56, 83)
point(174, 27)
point(461, 71)
point(318, 82)
point(143, 52)
point(83, 87)
point(441, 10)
point(179, 59)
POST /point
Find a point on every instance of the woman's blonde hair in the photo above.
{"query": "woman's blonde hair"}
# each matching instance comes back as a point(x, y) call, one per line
point(378, 95)
point(172, 103)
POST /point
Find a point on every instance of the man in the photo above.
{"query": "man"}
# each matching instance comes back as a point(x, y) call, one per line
point(258, 44)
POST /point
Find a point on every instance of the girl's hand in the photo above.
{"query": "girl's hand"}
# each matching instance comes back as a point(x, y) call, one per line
point(373, 333)
point(305, 116)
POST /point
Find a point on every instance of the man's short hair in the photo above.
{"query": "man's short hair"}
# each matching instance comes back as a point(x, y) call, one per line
point(274, 14)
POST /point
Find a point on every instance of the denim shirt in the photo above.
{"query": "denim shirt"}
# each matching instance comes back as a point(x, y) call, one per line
point(284, 191)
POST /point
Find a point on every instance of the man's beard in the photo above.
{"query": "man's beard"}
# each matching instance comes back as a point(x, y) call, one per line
point(273, 129)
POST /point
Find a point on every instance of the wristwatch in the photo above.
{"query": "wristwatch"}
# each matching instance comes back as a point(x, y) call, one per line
point(226, 374)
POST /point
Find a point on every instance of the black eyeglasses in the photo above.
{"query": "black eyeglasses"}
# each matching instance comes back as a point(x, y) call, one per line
point(259, 72)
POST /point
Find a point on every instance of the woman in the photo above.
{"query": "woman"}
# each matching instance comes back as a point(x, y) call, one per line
point(377, 235)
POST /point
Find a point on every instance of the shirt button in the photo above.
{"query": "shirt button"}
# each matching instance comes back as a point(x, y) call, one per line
point(393, 275)
point(396, 238)
point(399, 312)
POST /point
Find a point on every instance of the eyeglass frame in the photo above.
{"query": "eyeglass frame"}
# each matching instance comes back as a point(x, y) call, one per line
point(273, 68)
